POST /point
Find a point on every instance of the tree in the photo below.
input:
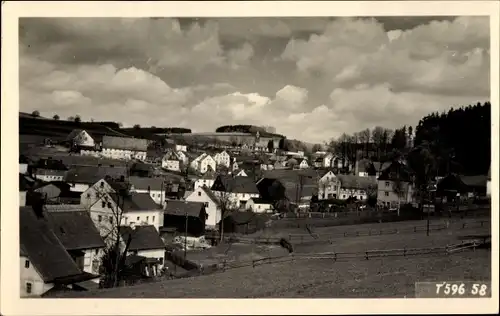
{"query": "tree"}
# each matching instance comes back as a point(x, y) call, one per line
point(71, 118)
point(270, 146)
point(137, 126)
point(378, 140)
point(281, 144)
point(316, 148)
point(56, 117)
point(35, 113)
point(78, 118)
point(364, 138)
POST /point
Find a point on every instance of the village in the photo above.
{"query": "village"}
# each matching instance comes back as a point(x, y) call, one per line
point(90, 195)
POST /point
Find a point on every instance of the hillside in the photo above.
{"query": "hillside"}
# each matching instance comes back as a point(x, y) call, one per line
point(246, 129)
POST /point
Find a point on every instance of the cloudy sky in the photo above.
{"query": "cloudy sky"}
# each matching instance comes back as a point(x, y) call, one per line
point(310, 78)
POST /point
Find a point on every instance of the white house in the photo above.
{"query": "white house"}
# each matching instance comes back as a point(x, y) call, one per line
point(327, 160)
point(44, 262)
point(145, 241)
point(124, 147)
point(328, 186)
point(171, 161)
point(303, 164)
point(76, 231)
point(49, 175)
point(81, 178)
point(212, 205)
point(204, 163)
point(235, 191)
point(258, 205)
point(182, 156)
point(155, 187)
point(394, 186)
point(134, 209)
point(80, 138)
point(360, 188)
point(223, 159)
point(240, 173)
point(180, 147)
point(206, 180)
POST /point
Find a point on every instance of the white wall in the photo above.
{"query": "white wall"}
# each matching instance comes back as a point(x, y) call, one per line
point(203, 182)
point(22, 198)
point(156, 195)
point(30, 275)
point(207, 161)
point(173, 165)
point(223, 159)
point(213, 212)
point(95, 192)
point(50, 177)
point(344, 194)
point(79, 187)
point(89, 257)
point(151, 217)
point(123, 154)
point(303, 165)
point(259, 208)
point(23, 168)
point(386, 193)
point(153, 253)
point(237, 198)
point(180, 147)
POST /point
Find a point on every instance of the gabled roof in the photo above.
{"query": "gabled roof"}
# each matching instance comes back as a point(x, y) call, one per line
point(356, 182)
point(380, 166)
point(50, 164)
point(73, 134)
point(209, 175)
point(142, 237)
point(92, 174)
point(211, 195)
point(142, 183)
point(124, 143)
point(396, 170)
point(74, 228)
point(135, 202)
point(181, 208)
point(39, 243)
point(236, 184)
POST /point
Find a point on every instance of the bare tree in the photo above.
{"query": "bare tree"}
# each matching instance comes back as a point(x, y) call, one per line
point(35, 113)
point(364, 138)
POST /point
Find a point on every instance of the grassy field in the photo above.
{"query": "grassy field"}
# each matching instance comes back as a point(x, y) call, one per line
point(382, 278)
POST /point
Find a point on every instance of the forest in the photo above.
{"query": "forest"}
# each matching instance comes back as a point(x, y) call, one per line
point(246, 129)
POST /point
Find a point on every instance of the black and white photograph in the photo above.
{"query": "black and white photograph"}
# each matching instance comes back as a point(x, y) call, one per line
point(232, 157)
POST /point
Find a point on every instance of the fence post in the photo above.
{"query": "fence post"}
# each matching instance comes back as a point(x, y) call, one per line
point(224, 265)
point(335, 256)
point(404, 252)
point(463, 225)
point(414, 229)
point(366, 255)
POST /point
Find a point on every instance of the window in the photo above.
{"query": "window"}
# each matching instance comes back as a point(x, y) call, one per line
point(99, 218)
point(199, 193)
point(102, 184)
point(343, 196)
point(96, 251)
point(126, 219)
point(206, 204)
point(153, 219)
point(103, 204)
point(387, 184)
point(111, 219)
point(27, 264)
point(147, 219)
point(109, 205)
point(28, 288)
point(386, 193)
point(138, 218)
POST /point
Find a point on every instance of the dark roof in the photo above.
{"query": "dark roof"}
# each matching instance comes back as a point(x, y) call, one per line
point(363, 165)
point(396, 170)
point(135, 201)
point(43, 248)
point(260, 201)
point(50, 164)
point(142, 183)
point(475, 181)
point(61, 185)
point(79, 160)
point(92, 174)
point(236, 184)
point(143, 237)
point(26, 183)
point(140, 166)
point(211, 195)
point(126, 143)
point(309, 176)
point(380, 166)
point(180, 208)
point(357, 182)
point(75, 229)
point(209, 175)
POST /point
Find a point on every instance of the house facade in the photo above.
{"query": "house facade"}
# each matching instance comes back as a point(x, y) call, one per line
point(223, 159)
point(81, 138)
point(212, 205)
point(258, 205)
point(124, 148)
point(205, 164)
point(394, 186)
point(328, 186)
point(206, 180)
point(359, 188)
point(303, 164)
point(235, 191)
point(48, 175)
point(180, 147)
point(155, 187)
point(171, 161)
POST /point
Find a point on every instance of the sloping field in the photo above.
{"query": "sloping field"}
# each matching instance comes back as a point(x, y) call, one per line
point(382, 278)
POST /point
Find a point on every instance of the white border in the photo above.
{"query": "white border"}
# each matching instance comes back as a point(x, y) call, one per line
point(11, 304)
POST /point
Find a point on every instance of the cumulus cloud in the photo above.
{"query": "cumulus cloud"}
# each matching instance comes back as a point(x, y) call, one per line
point(348, 74)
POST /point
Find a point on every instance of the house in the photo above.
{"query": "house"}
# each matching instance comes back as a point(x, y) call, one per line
point(207, 180)
point(128, 208)
point(303, 164)
point(124, 147)
point(212, 204)
point(51, 191)
point(476, 184)
point(101, 188)
point(186, 217)
point(171, 161)
point(361, 168)
point(155, 187)
point(239, 173)
point(359, 188)
point(44, 262)
point(145, 241)
point(328, 185)
point(223, 159)
point(81, 140)
point(466, 186)
point(292, 163)
point(182, 156)
point(375, 168)
point(319, 162)
point(203, 163)
point(49, 170)
point(488, 184)
point(24, 163)
point(76, 231)
point(395, 186)
point(141, 169)
point(179, 147)
point(258, 205)
point(235, 191)
point(328, 160)
point(82, 177)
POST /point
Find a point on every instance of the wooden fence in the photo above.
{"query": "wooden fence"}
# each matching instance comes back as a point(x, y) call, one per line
point(303, 238)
